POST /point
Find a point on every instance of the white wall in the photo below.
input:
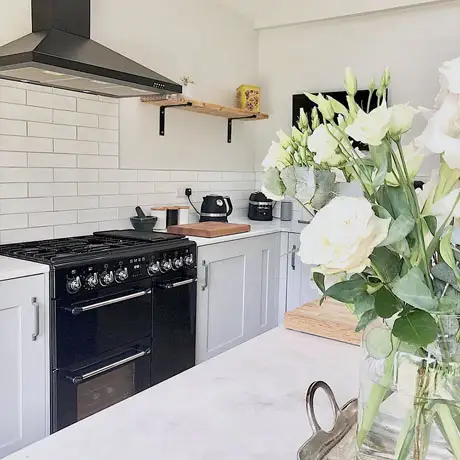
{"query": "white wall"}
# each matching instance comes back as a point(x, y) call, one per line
point(216, 47)
point(311, 57)
point(15, 19)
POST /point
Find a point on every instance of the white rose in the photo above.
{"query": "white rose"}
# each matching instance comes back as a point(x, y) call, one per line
point(443, 207)
point(342, 236)
point(414, 158)
point(450, 75)
point(372, 127)
point(442, 133)
point(401, 119)
point(324, 145)
point(277, 157)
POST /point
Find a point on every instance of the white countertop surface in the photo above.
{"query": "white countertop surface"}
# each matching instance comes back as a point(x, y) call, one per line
point(247, 403)
point(14, 268)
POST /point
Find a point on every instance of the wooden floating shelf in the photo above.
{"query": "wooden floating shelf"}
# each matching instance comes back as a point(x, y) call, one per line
point(216, 110)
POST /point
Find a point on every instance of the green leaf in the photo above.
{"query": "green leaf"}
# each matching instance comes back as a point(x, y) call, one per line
point(289, 180)
point(318, 278)
point(381, 173)
point(379, 153)
point(366, 319)
point(417, 327)
point(394, 200)
point(431, 224)
point(325, 189)
point(364, 303)
point(386, 264)
point(399, 229)
point(413, 290)
point(337, 106)
point(443, 272)
point(447, 254)
point(401, 247)
point(346, 291)
point(381, 212)
point(386, 304)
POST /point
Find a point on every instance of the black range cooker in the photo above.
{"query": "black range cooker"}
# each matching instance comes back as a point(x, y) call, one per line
point(122, 312)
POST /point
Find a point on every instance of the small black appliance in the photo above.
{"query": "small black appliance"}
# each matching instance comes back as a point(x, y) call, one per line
point(260, 207)
point(215, 208)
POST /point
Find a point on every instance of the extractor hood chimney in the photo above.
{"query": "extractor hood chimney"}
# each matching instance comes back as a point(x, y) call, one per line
point(59, 53)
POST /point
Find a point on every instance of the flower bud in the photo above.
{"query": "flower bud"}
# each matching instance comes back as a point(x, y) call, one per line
point(351, 82)
point(325, 107)
point(315, 121)
point(372, 86)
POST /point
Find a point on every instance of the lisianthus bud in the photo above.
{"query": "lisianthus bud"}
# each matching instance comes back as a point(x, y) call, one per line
point(325, 107)
point(372, 86)
point(351, 83)
point(386, 78)
point(315, 121)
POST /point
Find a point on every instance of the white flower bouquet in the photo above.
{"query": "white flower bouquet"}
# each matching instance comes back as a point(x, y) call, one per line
point(392, 250)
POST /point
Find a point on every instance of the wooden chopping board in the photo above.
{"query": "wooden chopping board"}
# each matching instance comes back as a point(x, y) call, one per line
point(209, 229)
point(332, 320)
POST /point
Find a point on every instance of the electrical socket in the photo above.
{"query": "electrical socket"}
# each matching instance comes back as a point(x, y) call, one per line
point(188, 192)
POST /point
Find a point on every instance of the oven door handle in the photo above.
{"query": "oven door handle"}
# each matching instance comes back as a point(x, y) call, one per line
point(177, 284)
point(77, 310)
point(89, 375)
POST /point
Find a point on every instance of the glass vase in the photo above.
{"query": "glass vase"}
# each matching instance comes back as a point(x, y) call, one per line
point(409, 401)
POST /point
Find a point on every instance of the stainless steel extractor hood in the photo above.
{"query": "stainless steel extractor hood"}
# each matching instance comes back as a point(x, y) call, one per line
point(59, 53)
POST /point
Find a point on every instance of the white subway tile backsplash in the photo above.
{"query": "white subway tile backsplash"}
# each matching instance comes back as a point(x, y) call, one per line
point(51, 101)
point(26, 234)
point(97, 215)
point(25, 86)
point(117, 175)
point(98, 135)
point(208, 176)
point(133, 188)
point(238, 176)
point(52, 189)
point(43, 219)
point(10, 221)
point(187, 176)
point(13, 127)
point(80, 202)
point(108, 148)
point(108, 122)
point(109, 100)
point(119, 224)
point(63, 117)
point(13, 95)
point(19, 205)
point(113, 201)
point(13, 190)
point(158, 199)
point(153, 176)
point(64, 231)
point(98, 162)
point(99, 108)
point(95, 188)
point(220, 186)
point(53, 131)
point(25, 144)
point(76, 147)
point(76, 175)
point(10, 159)
point(53, 160)
point(26, 175)
point(24, 112)
point(127, 212)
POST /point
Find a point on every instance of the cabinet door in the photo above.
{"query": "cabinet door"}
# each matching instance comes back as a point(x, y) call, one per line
point(300, 288)
point(23, 397)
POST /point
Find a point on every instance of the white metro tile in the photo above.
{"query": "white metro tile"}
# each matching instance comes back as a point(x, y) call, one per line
point(11, 159)
point(127, 212)
point(98, 135)
point(80, 202)
point(76, 147)
point(95, 188)
point(19, 205)
point(51, 101)
point(27, 234)
point(208, 176)
point(77, 94)
point(99, 162)
point(113, 201)
point(219, 186)
point(25, 144)
point(54, 160)
point(118, 224)
point(97, 107)
point(108, 148)
point(238, 176)
point(64, 117)
point(10, 221)
point(110, 100)
point(52, 189)
point(76, 175)
point(188, 176)
point(24, 112)
point(13, 190)
point(13, 127)
point(53, 131)
point(117, 175)
point(43, 219)
point(13, 95)
point(97, 215)
point(154, 176)
point(108, 122)
point(132, 188)
point(64, 231)
point(26, 175)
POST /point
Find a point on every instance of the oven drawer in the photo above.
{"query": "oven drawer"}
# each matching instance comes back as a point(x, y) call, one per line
point(89, 328)
point(83, 391)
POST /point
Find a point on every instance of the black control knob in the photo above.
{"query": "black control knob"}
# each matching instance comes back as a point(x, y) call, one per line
point(178, 262)
point(153, 268)
point(73, 285)
point(189, 260)
point(92, 280)
point(106, 278)
point(121, 275)
point(166, 266)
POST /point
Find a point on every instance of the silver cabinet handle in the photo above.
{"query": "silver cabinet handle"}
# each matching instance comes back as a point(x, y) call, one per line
point(293, 254)
point(206, 276)
point(178, 284)
point(101, 370)
point(135, 295)
point(36, 307)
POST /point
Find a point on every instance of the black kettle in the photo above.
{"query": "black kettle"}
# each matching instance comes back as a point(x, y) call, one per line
point(215, 208)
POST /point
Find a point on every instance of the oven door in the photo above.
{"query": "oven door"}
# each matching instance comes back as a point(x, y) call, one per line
point(93, 325)
point(174, 325)
point(83, 391)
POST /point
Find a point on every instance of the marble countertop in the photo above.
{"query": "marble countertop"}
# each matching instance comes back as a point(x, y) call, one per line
point(247, 403)
point(14, 268)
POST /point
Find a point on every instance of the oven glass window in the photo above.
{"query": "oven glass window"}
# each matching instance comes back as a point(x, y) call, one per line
point(103, 391)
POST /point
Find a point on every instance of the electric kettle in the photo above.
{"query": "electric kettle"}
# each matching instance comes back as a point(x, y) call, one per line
point(215, 208)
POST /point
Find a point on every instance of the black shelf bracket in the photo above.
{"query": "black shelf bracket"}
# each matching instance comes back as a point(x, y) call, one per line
point(230, 125)
point(163, 114)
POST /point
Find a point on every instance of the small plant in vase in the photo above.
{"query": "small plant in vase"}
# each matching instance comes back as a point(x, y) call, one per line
point(390, 256)
point(188, 85)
